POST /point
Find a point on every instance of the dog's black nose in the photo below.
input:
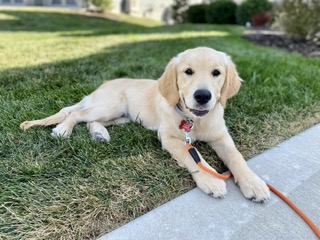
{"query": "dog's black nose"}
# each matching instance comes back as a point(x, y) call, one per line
point(202, 96)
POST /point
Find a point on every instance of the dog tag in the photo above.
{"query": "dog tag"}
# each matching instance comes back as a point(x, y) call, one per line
point(186, 125)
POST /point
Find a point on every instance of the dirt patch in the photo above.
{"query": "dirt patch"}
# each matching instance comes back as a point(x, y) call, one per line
point(306, 47)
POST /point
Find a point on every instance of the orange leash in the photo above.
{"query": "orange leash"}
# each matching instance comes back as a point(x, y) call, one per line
point(196, 158)
point(308, 221)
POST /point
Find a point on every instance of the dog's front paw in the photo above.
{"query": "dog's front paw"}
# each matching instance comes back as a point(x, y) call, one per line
point(254, 188)
point(210, 184)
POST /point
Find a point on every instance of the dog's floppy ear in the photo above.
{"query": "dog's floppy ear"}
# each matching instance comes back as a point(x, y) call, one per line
point(231, 84)
point(168, 83)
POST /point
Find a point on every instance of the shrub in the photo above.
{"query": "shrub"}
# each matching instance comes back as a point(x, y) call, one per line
point(197, 13)
point(249, 8)
point(299, 17)
point(262, 18)
point(221, 12)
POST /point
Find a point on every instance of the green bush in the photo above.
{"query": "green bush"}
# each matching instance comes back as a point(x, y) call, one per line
point(221, 12)
point(250, 7)
point(197, 13)
point(299, 17)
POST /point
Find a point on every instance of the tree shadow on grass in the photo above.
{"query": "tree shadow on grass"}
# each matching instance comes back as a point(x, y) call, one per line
point(126, 177)
point(64, 83)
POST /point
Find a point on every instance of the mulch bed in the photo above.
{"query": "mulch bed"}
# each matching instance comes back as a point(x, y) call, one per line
point(310, 48)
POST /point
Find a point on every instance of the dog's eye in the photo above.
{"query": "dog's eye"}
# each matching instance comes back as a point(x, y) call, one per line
point(189, 71)
point(216, 73)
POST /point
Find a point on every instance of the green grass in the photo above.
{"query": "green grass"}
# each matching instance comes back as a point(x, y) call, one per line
point(77, 188)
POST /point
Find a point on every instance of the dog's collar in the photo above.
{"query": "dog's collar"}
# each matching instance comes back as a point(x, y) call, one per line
point(179, 109)
point(186, 123)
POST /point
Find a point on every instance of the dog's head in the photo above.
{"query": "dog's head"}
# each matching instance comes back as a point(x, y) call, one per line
point(198, 78)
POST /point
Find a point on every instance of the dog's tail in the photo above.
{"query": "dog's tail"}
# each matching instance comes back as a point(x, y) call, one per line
point(52, 120)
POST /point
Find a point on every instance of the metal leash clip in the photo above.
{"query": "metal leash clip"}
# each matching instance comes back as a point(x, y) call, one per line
point(187, 138)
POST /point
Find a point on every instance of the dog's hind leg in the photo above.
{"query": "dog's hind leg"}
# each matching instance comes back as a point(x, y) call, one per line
point(52, 120)
point(99, 132)
point(118, 121)
point(92, 114)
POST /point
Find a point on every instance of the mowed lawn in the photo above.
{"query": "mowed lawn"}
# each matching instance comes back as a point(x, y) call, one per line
point(76, 188)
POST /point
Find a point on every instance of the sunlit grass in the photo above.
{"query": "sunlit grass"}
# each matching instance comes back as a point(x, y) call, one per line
point(4, 16)
point(31, 49)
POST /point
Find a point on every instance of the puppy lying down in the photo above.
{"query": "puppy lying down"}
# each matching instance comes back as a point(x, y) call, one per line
point(195, 85)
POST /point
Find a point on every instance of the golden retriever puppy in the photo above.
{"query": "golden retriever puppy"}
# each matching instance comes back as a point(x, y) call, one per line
point(195, 86)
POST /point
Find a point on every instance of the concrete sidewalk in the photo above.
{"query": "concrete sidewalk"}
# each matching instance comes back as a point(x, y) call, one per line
point(293, 167)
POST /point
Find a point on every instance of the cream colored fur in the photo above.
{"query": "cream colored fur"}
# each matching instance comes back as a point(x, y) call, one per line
point(152, 103)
